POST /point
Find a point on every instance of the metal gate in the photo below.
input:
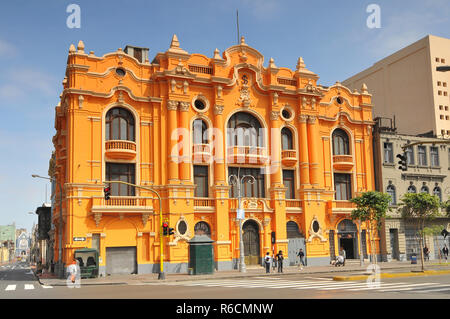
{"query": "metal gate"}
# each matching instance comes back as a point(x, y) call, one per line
point(294, 246)
point(121, 260)
point(251, 243)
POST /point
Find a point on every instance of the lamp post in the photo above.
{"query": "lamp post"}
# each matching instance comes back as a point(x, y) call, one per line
point(237, 180)
point(60, 263)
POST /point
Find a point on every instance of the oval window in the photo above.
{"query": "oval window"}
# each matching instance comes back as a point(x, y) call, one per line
point(120, 72)
point(339, 100)
point(182, 227)
point(199, 105)
point(286, 114)
point(316, 226)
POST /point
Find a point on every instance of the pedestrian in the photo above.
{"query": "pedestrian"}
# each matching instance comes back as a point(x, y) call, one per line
point(301, 254)
point(426, 253)
point(280, 261)
point(343, 254)
point(274, 262)
point(445, 252)
point(74, 275)
point(267, 260)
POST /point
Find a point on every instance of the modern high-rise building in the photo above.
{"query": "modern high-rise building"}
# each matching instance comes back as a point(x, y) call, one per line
point(186, 125)
point(406, 86)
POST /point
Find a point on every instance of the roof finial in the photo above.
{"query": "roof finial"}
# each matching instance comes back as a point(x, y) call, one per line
point(364, 88)
point(272, 63)
point(72, 48)
point(80, 47)
point(243, 40)
point(217, 54)
point(300, 63)
point(175, 43)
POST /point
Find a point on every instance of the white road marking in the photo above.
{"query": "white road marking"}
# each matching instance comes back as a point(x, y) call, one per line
point(46, 287)
point(10, 287)
point(29, 287)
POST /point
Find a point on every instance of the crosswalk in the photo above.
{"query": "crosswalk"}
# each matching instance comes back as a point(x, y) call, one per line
point(25, 287)
point(322, 284)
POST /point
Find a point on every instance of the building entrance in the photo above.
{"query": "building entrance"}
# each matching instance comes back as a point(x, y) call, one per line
point(250, 231)
point(348, 240)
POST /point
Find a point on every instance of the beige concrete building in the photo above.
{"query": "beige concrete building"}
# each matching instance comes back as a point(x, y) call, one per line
point(406, 85)
point(428, 171)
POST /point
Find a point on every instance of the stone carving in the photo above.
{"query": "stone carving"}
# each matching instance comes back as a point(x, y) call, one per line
point(172, 105)
point(274, 115)
point(244, 97)
point(218, 109)
point(80, 101)
point(184, 106)
point(316, 230)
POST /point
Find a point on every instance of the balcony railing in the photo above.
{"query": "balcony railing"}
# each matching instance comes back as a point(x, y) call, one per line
point(341, 206)
point(120, 149)
point(201, 153)
point(247, 155)
point(293, 203)
point(343, 162)
point(289, 157)
point(204, 202)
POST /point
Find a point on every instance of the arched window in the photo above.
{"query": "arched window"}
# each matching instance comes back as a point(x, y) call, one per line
point(202, 228)
point(119, 125)
point(412, 189)
point(340, 142)
point(286, 139)
point(244, 130)
point(425, 189)
point(199, 128)
point(437, 192)
point(391, 191)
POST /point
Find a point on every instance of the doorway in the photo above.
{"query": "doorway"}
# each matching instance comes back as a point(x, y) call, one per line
point(250, 231)
point(347, 234)
point(348, 245)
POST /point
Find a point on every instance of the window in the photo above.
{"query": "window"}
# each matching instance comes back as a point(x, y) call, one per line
point(388, 153)
point(437, 59)
point(444, 84)
point(124, 173)
point(119, 125)
point(199, 132)
point(441, 117)
point(434, 156)
point(422, 154)
point(202, 228)
point(425, 189)
point(442, 60)
point(412, 189)
point(340, 142)
point(446, 108)
point(441, 107)
point(244, 130)
point(391, 191)
point(257, 189)
point(439, 83)
point(286, 139)
point(437, 192)
point(410, 156)
point(288, 181)
point(201, 181)
point(342, 186)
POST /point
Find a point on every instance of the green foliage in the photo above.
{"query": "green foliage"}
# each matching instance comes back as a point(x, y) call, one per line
point(433, 230)
point(446, 207)
point(420, 206)
point(371, 206)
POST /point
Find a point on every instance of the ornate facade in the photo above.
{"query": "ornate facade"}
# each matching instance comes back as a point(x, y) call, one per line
point(182, 125)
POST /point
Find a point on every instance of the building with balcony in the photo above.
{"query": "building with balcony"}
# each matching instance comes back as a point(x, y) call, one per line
point(184, 123)
point(428, 171)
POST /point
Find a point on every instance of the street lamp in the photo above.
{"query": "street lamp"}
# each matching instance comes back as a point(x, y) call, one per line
point(237, 180)
point(60, 263)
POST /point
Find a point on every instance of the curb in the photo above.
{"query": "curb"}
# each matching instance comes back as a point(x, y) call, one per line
point(393, 275)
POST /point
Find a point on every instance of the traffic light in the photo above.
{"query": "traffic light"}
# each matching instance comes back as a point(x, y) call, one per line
point(273, 237)
point(403, 166)
point(444, 233)
point(107, 191)
point(171, 231)
point(165, 228)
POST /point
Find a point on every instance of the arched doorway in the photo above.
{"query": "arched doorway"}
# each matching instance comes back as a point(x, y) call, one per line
point(296, 240)
point(250, 231)
point(348, 238)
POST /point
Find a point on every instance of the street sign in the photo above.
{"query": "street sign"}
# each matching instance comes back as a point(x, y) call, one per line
point(240, 214)
point(79, 239)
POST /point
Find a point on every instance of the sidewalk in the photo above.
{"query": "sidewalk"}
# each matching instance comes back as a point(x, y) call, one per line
point(386, 267)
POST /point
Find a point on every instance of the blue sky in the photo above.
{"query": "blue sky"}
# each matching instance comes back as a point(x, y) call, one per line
point(331, 36)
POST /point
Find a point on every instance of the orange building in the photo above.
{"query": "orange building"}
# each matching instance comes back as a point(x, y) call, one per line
point(182, 125)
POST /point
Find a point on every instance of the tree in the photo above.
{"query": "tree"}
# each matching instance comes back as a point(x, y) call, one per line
point(420, 208)
point(433, 231)
point(371, 207)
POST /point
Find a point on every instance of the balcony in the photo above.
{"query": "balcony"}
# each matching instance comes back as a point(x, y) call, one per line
point(289, 157)
point(343, 162)
point(247, 155)
point(119, 149)
point(201, 153)
point(341, 207)
point(122, 204)
point(294, 205)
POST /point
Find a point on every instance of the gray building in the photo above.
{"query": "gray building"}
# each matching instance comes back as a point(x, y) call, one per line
point(428, 171)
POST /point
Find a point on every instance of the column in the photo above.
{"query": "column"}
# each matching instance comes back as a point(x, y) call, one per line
point(303, 156)
point(219, 141)
point(275, 150)
point(172, 151)
point(185, 165)
point(314, 142)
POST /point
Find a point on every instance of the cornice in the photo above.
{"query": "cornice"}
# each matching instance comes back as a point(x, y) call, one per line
point(111, 93)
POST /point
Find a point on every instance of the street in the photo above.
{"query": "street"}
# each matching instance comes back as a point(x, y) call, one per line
point(18, 282)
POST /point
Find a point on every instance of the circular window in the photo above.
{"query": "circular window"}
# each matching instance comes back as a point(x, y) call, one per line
point(199, 104)
point(182, 227)
point(316, 226)
point(339, 100)
point(120, 72)
point(286, 114)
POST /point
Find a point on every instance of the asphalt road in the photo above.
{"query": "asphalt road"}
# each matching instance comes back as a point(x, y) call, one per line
point(18, 282)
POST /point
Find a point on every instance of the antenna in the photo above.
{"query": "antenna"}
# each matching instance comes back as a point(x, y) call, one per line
point(237, 22)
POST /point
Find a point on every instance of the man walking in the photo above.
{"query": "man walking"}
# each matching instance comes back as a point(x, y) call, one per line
point(280, 261)
point(267, 262)
point(445, 252)
point(301, 254)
